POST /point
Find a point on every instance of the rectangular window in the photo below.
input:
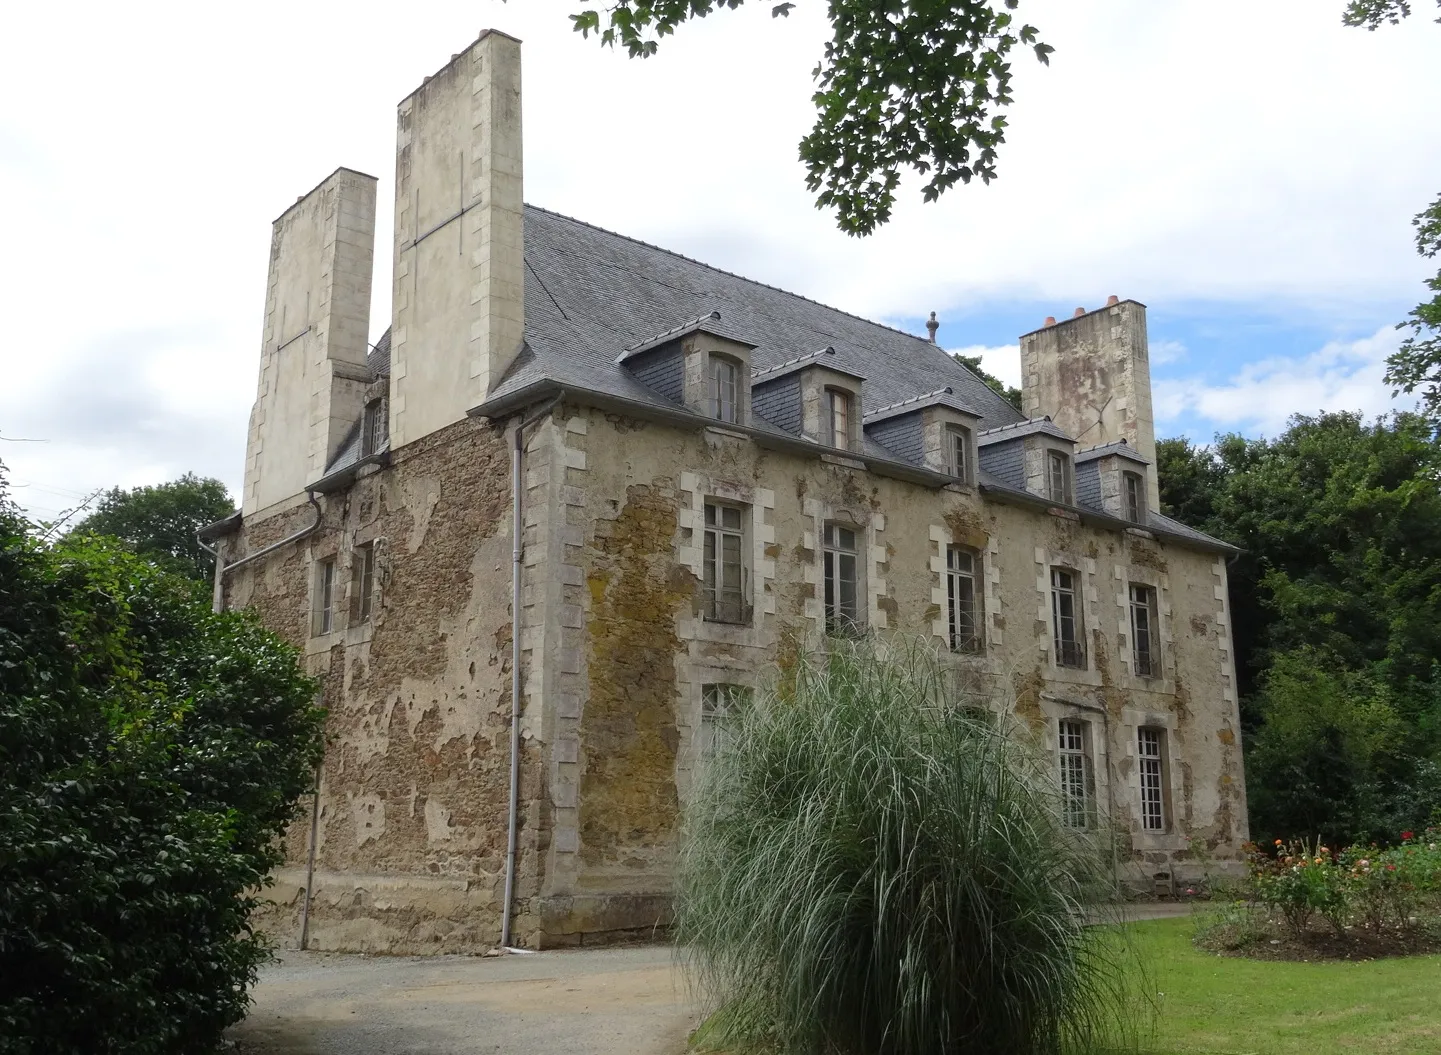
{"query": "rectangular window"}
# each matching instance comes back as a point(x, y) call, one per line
point(958, 452)
point(1066, 615)
point(324, 602)
point(374, 428)
point(724, 389)
point(963, 597)
point(1151, 747)
point(362, 582)
point(1058, 477)
point(1077, 780)
point(1145, 656)
point(719, 705)
point(840, 415)
point(724, 577)
point(842, 581)
point(1135, 498)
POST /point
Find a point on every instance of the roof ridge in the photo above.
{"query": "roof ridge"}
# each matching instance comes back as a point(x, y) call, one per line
point(743, 278)
point(1016, 424)
point(947, 391)
point(763, 371)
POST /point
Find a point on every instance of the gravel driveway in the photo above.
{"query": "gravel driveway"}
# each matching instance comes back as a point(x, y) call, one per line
point(618, 1001)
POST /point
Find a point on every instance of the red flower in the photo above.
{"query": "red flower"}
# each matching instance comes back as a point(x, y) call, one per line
point(1390, 868)
point(1408, 835)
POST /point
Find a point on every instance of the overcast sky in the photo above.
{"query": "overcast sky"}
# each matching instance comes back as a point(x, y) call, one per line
point(1247, 170)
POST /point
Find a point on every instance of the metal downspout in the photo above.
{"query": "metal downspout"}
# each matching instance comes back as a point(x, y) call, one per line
point(517, 549)
point(221, 568)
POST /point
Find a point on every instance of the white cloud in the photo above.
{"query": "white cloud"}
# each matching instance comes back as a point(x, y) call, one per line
point(1342, 375)
point(1002, 362)
point(1162, 155)
point(1162, 352)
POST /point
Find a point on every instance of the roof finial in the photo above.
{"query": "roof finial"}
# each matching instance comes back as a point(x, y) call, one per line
point(932, 326)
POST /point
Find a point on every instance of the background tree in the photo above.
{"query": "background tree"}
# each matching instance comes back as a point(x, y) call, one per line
point(159, 523)
point(1009, 393)
point(151, 755)
point(1336, 600)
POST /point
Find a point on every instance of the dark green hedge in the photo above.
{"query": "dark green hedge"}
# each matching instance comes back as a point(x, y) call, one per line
point(151, 753)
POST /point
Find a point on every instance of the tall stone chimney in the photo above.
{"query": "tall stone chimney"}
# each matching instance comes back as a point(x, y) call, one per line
point(312, 357)
point(459, 304)
point(1092, 375)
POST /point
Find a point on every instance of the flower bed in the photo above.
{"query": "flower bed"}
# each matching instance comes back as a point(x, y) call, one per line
point(1307, 901)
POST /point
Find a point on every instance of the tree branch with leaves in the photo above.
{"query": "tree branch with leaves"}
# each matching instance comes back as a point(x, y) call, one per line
point(903, 85)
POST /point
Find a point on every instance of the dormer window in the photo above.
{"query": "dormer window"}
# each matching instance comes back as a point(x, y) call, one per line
point(839, 415)
point(1058, 477)
point(374, 428)
point(724, 389)
point(1135, 497)
point(958, 452)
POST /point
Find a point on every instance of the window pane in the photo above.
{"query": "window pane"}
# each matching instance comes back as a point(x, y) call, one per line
point(1143, 630)
point(1153, 810)
point(1065, 615)
point(1076, 793)
point(731, 517)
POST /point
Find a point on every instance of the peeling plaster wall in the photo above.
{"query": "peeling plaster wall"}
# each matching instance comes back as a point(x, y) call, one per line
point(615, 653)
point(411, 847)
point(643, 652)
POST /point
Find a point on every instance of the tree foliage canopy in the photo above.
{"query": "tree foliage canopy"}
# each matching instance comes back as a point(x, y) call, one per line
point(159, 523)
point(1336, 600)
point(151, 753)
point(906, 84)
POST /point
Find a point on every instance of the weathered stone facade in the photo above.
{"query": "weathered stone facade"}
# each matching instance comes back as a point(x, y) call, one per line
point(401, 592)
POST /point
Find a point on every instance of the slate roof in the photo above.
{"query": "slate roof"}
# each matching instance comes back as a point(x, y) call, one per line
point(1016, 429)
point(594, 298)
point(590, 294)
point(1119, 447)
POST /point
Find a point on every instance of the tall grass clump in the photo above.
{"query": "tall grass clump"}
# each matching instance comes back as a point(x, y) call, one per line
point(866, 868)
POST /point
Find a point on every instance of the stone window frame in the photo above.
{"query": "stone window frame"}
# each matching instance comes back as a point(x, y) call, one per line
point(364, 578)
point(1155, 662)
point(710, 603)
point(739, 377)
point(374, 426)
point(324, 607)
point(1055, 456)
point(839, 397)
point(1133, 496)
point(697, 352)
point(1076, 590)
point(1076, 742)
point(858, 553)
point(960, 451)
point(697, 489)
point(1127, 575)
point(976, 645)
point(1153, 766)
point(720, 702)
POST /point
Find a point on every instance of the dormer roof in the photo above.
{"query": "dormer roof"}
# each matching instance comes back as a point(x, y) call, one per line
point(1017, 429)
point(710, 323)
point(941, 397)
point(1117, 447)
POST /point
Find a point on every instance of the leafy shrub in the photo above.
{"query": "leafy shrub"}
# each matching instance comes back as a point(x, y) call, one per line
point(1300, 882)
point(1375, 887)
point(151, 753)
point(865, 868)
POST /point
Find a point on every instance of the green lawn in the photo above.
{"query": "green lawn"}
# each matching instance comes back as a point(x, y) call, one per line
point(1226, 1005)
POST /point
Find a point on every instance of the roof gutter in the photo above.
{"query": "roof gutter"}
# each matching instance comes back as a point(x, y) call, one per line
point(217, 599)
point(687, 420)
point(1020, 498)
